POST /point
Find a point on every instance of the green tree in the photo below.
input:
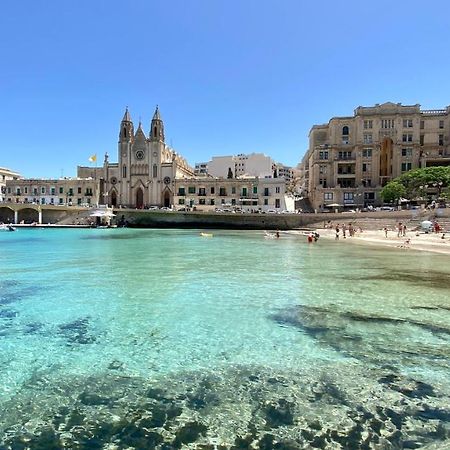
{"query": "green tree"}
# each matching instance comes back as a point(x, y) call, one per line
point(434, 177)
point(393, 191)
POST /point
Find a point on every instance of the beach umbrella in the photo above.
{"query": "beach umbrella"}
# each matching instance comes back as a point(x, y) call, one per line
point(426, 224)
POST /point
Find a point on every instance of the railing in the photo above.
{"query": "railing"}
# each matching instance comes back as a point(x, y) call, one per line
point(433, 111)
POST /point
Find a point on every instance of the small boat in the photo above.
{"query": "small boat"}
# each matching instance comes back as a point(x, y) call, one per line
point(269, 235)
point(206, 234)
point(7, 227)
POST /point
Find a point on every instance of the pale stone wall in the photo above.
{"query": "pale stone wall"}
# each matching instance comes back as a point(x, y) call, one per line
point(344, 168)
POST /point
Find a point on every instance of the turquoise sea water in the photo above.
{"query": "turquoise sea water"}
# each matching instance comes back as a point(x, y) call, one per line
point(121, 338)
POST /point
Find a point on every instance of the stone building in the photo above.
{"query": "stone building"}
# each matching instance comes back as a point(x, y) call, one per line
point(6, 175)
point(252, 193)
point(61, 191)
point(146, 169)
point(351, 158)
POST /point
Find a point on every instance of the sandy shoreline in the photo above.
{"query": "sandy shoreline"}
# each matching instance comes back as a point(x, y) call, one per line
point(430, 242)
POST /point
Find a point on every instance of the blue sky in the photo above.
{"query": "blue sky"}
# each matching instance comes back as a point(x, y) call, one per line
point(235, 76)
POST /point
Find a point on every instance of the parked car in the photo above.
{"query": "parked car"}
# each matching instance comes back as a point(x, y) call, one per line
point(272, 211)
point(165, 208)
point(153, 208)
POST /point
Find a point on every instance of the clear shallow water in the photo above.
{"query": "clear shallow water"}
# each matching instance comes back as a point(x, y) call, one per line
point(272, 342)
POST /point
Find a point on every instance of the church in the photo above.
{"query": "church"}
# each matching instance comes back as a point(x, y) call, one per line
point(146, 169)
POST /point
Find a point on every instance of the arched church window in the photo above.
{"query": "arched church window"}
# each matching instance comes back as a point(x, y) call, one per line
point(345, 131)
point(124, 132)
point(155, 171)
point(155, 132)
point(124, 171)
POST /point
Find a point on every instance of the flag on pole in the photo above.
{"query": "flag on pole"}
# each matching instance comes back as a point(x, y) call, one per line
point(93, 158)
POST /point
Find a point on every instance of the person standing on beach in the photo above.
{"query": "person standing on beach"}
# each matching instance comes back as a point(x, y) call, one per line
point(351, 231)
point(385, 232)
point(343, 231)
point(337, 231)
point(404, 230)
point(399, 229)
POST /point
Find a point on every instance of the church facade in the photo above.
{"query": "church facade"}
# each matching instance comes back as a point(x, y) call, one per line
point(146, 169)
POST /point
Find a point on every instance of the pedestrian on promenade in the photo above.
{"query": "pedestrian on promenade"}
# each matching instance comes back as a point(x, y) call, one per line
point(385, 231)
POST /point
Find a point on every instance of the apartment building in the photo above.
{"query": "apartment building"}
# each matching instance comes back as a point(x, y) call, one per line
point(62, 191)
point(350, 159)
point(253, 193)
point(6, 175)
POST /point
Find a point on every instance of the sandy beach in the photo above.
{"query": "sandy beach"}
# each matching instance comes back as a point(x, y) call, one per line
point(429, 242)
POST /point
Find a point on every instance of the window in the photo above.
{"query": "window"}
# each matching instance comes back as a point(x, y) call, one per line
point(255, 189)
point(366, 167)
point(422, 124)
point(348, 197)
point(366, 182)
point(345, 155)
point(53, 191)
point(244, 192)
point(18, 191)
point(407, 152)
point(35, 191)
point(422, 136)
point(407, 123)
point(368, 124)
point(441, 139)
point(441, 124)
point(155, 171)
point(407, 137)
point(233, 190)
point(25, 190)
point(201, 201)
point(79, 190)
point(212, 202)
point(322, 169)
point(345, 131)
point(70, 192)
point(124, 171)
point(191, 190)
point(181, 201)
point(387, 123)
point(222, 191)
point(266, 201)
point(61, 201)
point(367, 138)
point(323, 182)
point(367, 153)
point(369, 195)
point(406, 166)
point(202, 192)
point(181, 191)
point(323, 154)
point(328, 196)
point(277, 203)
point(266, 192)
point(212, 190)
point(277, 189)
